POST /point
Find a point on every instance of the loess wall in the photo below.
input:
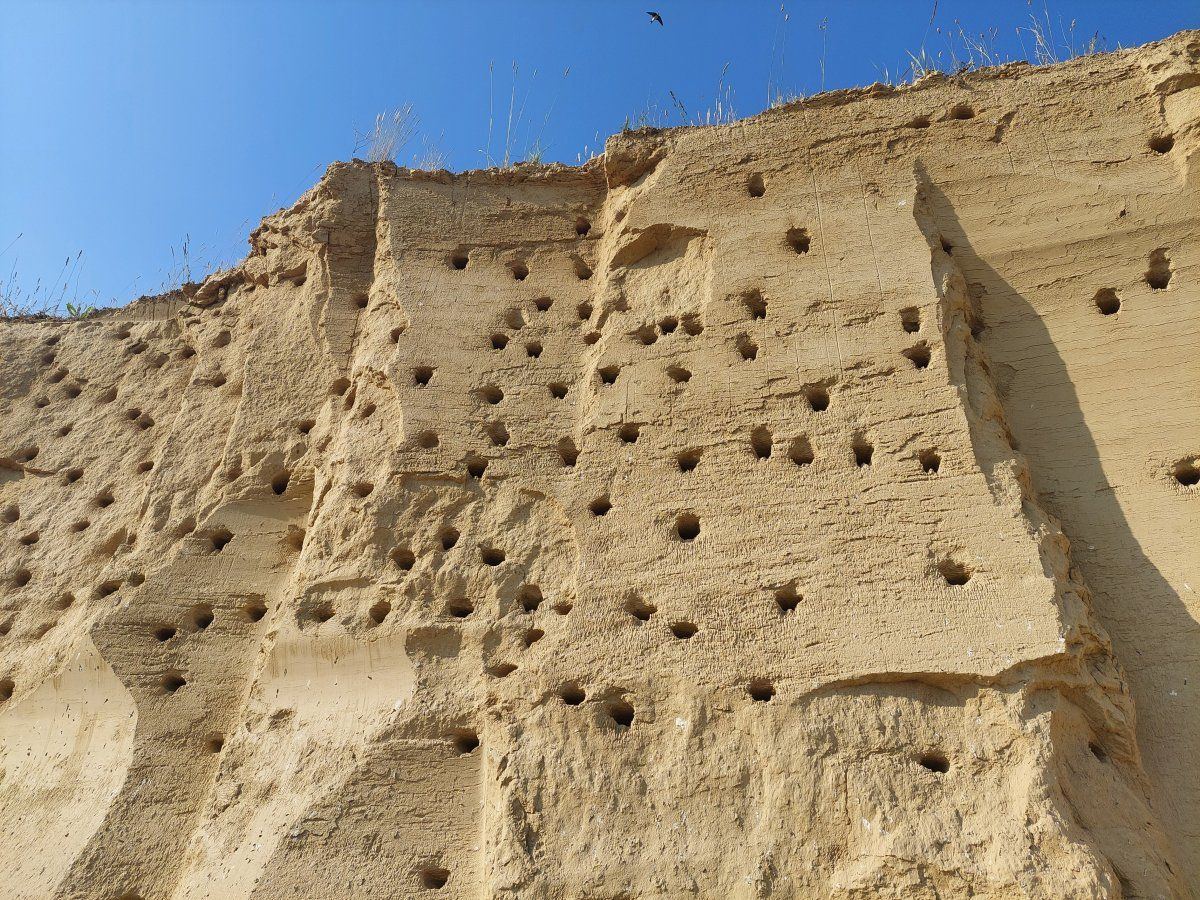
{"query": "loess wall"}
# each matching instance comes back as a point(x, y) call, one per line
point(804, 507)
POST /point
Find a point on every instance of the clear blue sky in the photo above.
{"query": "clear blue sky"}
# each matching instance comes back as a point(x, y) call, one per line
point(129, 125)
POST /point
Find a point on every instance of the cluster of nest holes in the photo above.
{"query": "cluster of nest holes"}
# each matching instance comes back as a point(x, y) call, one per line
point(619, 710)
point(200, 616)
point(800, 452)
point(519, 268)
point(405, 559)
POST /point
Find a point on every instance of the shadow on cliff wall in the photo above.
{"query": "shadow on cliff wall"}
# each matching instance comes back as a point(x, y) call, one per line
point(1162, 637)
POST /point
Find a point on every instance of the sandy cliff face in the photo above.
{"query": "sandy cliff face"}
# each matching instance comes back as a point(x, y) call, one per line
point(799, 508)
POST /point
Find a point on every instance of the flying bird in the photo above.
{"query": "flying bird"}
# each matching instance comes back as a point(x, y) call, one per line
point(655, 17)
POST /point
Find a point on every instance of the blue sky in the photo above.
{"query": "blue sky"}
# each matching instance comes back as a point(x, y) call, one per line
point(130, 127)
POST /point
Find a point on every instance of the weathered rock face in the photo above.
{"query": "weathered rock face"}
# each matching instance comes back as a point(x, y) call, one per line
point(799, 508)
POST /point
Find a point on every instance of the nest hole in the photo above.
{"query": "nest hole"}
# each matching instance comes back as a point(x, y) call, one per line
point(433, 878)
point(787, 598)
point(761, 442)
point(530, 597)
point(1186, 472)
point(684, 630)
point(172, 682)
point(1161, 143)
point(1107, 301)
point(799, 240)
point(620, 711)
point(864, 452)
point(935, 761)
point(640, 609)
point(818, 397)
point(465, 741)
point(687, 460)
point(760, 690)
point(954, 572)
point(571, 694)
point(687, 527)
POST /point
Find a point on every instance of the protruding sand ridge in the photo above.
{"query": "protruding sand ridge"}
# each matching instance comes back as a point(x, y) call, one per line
point(796, 508)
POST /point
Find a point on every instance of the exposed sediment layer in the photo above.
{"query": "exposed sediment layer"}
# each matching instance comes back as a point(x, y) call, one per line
point(804, 507)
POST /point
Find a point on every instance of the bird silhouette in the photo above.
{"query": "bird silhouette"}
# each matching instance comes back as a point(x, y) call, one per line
point(655, 17)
